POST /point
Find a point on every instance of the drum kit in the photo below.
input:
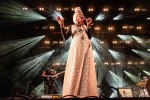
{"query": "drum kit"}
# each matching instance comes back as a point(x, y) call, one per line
point(142, 88)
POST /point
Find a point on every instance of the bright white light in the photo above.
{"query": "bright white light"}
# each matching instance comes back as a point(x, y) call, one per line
point(148, 73)
point(148, 18)
point(39, 89)
point(118, 79)
point(105, 9)
point(90, 9)
point(58, 9)
point(126, 38)
point(118, 17)
point(138, 39)
point(15, 12)
point(129, 63)
point(106, 63)
point(125, 27)
point(52, 27)
point(121, 9)
point(134, 78)
point(137, 9)
point(97, 28)
point(139, 27)
point(143, 54)
point(101, 17)
point(110, 28)
point(56, 14)
point(41, 9)
point(97, 57)
point(24, 8)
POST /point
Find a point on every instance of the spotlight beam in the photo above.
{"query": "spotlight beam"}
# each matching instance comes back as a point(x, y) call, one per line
point(12, 13)
point(134, 78)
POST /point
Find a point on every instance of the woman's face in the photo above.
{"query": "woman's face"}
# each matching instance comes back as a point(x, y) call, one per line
point(80, 18)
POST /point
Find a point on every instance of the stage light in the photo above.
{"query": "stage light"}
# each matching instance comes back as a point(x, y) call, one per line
point(30, 67)
point(90, 9)
point(72, 9)
point(55, 14)
point(47, 42)
point(62, 58)
point(52, 27)
point(139, 27)
point(140, 41)
point(96, 46)
point(118, 79)
point(126, 38)
point(146, 72)
point(144, 10)
point(11, 13)
point(14, 45)
point(119, 58)
point(144, 54)
point(66, 28)
point(101, 17)
point(110, 28)
point(97, 28)
point(129, 63)
point(106, 63)
point(105, 9)
point(97, 57)
point(39, 89)
point(131, 27)
point(114, 42)
point(125, 27)
point(101, 42)
point(61, 42)
point(148, 18)
point(121, 9)
point(41, 9)
point(58, 9)
point(117, 55)
point(137, 9)
point(142, 62)
point(24, 8)
point(118, 63)
point(118, 17)
point(127, 42)
point(134, 78)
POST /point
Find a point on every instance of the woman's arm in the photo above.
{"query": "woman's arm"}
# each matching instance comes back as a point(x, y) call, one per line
point(89, 22)
point(68, 32)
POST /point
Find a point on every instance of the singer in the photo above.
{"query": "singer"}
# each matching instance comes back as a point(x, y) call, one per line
point(80, 76)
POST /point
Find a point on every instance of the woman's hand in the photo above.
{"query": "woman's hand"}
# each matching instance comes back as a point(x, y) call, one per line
point(60, 21)
point(89, 22)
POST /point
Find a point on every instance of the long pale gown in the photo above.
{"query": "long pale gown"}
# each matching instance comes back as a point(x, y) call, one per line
point(80, 75)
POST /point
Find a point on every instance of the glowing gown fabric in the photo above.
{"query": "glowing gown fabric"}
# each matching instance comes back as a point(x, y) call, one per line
point(80, 76)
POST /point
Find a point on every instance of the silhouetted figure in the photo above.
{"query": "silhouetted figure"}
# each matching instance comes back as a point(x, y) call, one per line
point(48, 80)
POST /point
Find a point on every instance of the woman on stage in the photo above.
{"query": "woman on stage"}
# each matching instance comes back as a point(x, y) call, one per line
point(80, 76)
